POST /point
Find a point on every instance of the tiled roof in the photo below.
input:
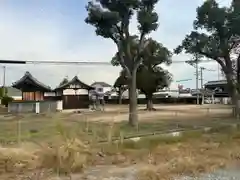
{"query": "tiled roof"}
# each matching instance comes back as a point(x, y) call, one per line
point(28, 77)
point(75, 80)
point(103, 84)
point(212, 83)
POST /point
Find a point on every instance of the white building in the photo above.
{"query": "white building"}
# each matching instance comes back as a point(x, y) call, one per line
point(102, 87)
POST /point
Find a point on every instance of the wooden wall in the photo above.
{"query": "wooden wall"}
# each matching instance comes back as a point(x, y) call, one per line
point(33, 96)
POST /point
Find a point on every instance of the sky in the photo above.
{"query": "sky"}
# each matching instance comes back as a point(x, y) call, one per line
point(55, 30)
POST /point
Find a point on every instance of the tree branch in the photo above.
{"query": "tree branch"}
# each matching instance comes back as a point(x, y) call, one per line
point(125, 27)
point(126, 41)
point(232, 46)
point(121, 61)
point(219, 61)
point(120, 31)
point(114, 39)
point(138, 58)
point(120, 56)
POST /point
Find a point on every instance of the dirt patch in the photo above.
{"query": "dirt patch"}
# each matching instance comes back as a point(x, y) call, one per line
point(120, 113)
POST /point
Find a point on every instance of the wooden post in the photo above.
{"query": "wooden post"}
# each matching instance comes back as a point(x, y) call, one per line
point(19, 131)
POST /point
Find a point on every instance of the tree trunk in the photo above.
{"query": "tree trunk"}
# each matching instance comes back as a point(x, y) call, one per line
point(149, 103)
point(233, 94)
point(234, 97)
point(132, 90)
point(120, 96)
point(120, 99)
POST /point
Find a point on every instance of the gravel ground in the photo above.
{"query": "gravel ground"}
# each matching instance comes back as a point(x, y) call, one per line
point(218, 175)
point(128, 173)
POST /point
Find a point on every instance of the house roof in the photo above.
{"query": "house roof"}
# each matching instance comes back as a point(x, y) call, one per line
point(75, 80)
point(213, 83)
point(103, 84)
point(29, 79)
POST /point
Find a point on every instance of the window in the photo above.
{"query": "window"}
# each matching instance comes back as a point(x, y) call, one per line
point(100, 89)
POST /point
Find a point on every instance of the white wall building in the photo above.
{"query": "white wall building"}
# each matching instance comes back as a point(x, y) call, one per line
point(102, 87)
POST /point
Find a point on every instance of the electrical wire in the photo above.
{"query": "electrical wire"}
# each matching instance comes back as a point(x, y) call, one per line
point(52, 62)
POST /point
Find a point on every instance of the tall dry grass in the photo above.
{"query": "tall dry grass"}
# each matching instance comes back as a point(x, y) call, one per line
point(68, 153)
point(65, 155)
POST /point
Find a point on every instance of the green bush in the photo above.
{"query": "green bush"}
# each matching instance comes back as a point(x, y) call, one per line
point(1, 92)
point(6, 100)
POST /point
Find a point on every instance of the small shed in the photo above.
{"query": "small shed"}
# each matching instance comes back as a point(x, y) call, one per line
point(32, 89)
point(33, 99)
point(75, 94)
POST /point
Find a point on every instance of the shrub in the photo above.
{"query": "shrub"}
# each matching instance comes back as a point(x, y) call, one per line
point(6, 100)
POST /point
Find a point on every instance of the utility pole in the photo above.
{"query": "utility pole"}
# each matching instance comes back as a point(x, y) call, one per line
point(197, 76)
point(202, 86)
point(202, 89)
point(4, 80)
point(201, 76)
point(195, 63)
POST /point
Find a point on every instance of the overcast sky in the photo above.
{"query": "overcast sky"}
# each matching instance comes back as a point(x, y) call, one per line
point(55, 30)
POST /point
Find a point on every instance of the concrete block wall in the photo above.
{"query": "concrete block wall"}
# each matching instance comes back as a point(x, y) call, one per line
point(32, 107)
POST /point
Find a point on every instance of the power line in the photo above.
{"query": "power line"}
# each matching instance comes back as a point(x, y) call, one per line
point(52, 62)
point(205, 69)
point(183, 80)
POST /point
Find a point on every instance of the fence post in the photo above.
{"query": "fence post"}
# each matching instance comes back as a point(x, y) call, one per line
point(121, 137)
point(176, 113)
point(19, 131)
point(37, 108)
point(110, 134)
point(208, 110)
point(49, 107)
point(87, 125)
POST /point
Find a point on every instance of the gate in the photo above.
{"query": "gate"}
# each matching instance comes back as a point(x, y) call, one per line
point(76, 102)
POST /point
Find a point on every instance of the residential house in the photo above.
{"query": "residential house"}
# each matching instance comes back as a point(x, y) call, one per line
point(102, 88)
point(37, 97)
point(33, 99)
point(31, 88)
point(219, 88)
point(220, 91)
point(74, 94)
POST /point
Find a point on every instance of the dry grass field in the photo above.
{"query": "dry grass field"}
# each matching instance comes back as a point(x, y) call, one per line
point(42, 146)
point(27, 127)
